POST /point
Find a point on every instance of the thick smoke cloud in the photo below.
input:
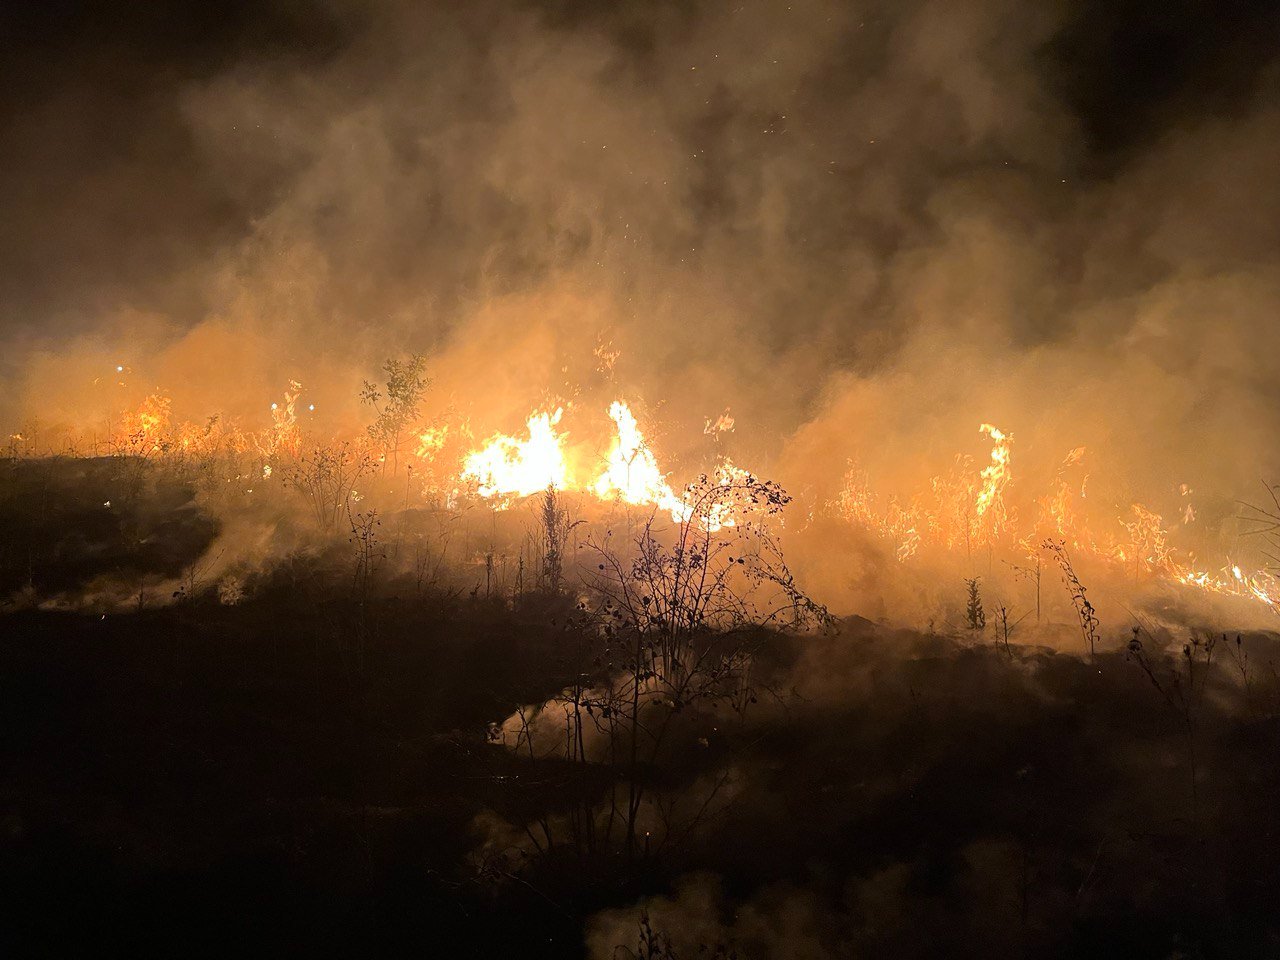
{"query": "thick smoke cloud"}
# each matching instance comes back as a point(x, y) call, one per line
point(864, 228)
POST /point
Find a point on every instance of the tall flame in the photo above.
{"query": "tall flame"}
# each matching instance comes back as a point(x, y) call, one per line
point(989, 510)
point(631, 471)
point(996, 475)
point(511, 467)
point(631, 475)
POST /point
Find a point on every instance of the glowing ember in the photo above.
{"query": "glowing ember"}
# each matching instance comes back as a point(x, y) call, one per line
point(722, 424)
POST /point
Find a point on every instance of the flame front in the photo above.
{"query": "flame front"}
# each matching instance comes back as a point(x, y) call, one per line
point(511, 467)
point(959, 511)
point(962, 509)
point(631, 471)
point(631, 475)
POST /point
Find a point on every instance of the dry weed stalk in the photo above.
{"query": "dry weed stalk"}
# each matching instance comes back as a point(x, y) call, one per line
point(1182, 689)
point(1085, 613)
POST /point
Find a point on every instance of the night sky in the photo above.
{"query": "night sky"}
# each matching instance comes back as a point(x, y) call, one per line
point(102, 181)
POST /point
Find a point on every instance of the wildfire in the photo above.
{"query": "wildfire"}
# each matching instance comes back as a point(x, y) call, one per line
point(1234, 582)
point(722, 424)
point(631, 475)
point(512, 467)
point(506, 468)
point(431, 441)
point(503, 469)
point(285, 436)
point(893, 522)
point(957, 511)
point(961, 508)
point(147, 428)
point(989, 505)
point(727, 498)
point(1148, 546)
point(631, 471)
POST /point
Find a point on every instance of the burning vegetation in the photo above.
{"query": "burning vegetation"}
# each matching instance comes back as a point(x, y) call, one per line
point(974, 520)
point(964, 514)
point(640, 480)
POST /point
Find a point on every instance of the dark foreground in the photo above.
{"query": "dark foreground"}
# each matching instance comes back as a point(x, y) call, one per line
point(203, 780)
point(190, 781)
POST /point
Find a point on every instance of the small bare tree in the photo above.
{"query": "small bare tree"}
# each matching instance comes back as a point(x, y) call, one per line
point(431, 548)
point(395, 404)
point(368, 556)
point(1004, 628)
point(1030, 575)
point(550, 541)
point(668, 613)
point(1085, 613)
point(325, 478)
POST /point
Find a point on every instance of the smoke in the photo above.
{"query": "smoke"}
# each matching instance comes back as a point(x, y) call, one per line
point(875, 845)
point(864, 229)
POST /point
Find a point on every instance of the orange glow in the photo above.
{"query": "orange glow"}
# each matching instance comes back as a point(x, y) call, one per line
point(509, 467)
point(631, 471)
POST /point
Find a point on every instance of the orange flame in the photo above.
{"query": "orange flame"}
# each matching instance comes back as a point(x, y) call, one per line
point(631, 471)
point(512, 467)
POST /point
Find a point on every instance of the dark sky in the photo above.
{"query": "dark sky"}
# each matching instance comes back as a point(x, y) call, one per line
point(102, 183)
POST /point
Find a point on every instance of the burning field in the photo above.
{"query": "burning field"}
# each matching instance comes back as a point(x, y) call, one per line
point(642, 480)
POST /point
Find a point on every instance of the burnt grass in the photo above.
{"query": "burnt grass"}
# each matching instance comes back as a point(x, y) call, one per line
point(199, 779)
